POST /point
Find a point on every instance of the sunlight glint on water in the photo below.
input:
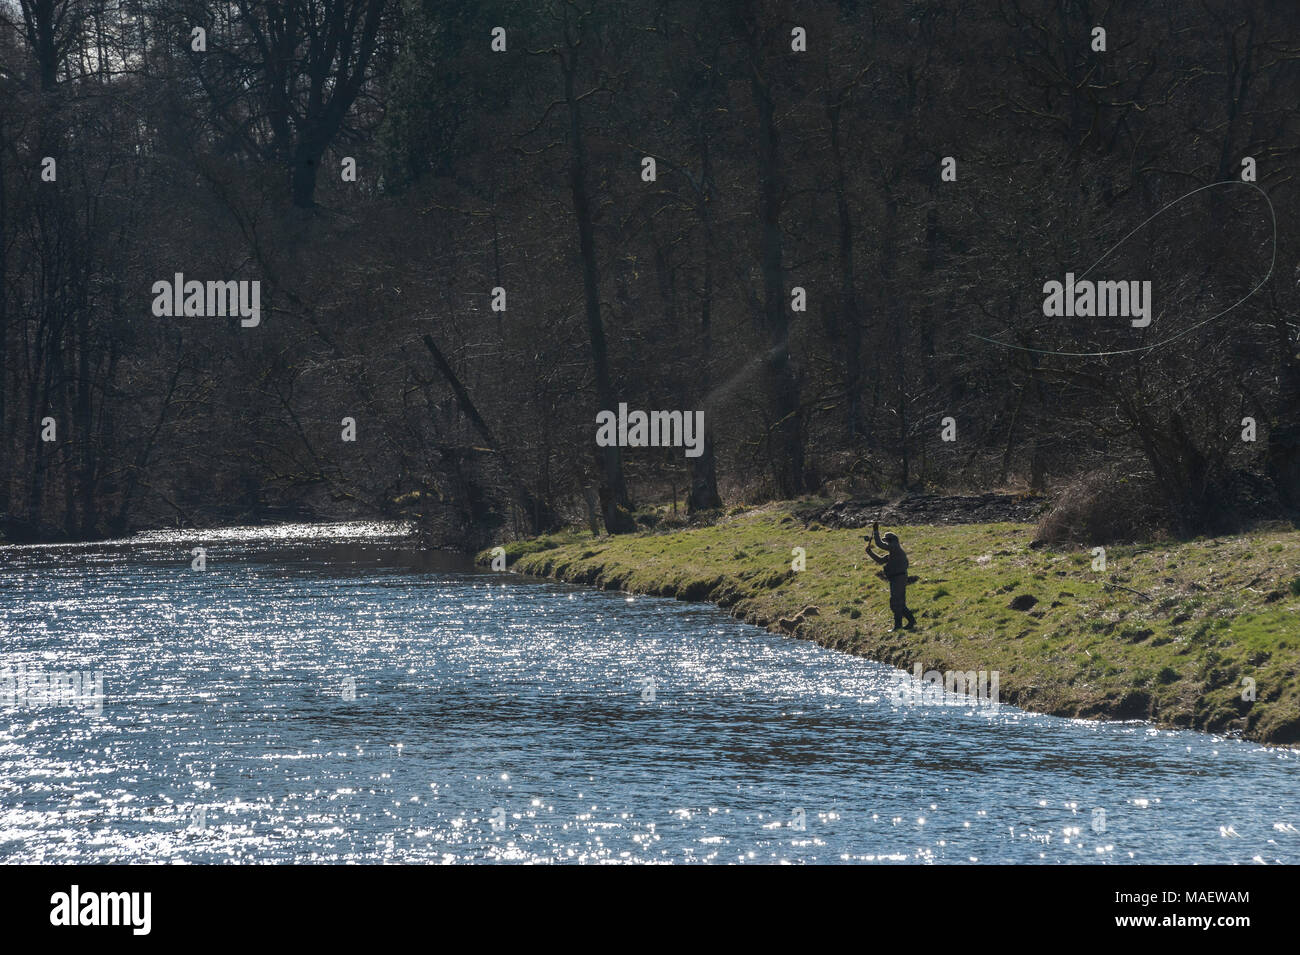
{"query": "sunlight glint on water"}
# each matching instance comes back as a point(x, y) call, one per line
point(499, 719)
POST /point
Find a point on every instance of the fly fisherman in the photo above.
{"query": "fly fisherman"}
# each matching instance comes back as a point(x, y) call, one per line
point(895, 562)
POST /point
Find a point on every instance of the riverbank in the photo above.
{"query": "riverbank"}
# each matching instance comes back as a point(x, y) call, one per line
point(1170, 632)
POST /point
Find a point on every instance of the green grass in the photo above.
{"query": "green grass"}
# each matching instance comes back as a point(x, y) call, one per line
point(1219, 610)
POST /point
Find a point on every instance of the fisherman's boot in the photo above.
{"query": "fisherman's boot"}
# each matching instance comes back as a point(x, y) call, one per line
point(898, 623)
point(911, 620)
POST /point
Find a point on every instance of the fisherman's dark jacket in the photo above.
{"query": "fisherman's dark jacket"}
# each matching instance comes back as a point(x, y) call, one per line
point(896, 563)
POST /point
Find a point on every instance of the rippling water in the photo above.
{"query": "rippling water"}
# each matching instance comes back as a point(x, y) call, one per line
point(330, 694)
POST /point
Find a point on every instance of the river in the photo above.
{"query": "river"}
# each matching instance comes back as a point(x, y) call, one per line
point(330, 693)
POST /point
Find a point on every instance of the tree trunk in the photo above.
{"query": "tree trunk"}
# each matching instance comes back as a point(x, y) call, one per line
point(539, 512)
point(1284, 435)
point(83, 415)
point(849, 326)
point(6, 448)
point(702, 493)
point(306, 166)
point(615, 504)
point(786, 440)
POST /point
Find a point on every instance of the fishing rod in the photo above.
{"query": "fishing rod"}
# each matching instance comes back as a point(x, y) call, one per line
point(875, 523)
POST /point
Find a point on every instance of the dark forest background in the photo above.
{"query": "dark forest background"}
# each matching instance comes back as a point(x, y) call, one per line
point(522, 169)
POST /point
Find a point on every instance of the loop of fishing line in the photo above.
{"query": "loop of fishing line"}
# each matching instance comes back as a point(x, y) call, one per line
point(1187, 331)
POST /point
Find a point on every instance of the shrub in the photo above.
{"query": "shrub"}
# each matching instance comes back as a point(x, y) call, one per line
point(1110, 504)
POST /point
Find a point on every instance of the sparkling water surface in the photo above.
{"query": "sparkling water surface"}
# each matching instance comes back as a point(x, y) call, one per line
point(328, 693)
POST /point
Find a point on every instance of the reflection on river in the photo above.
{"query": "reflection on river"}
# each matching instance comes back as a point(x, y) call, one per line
point(330, 694)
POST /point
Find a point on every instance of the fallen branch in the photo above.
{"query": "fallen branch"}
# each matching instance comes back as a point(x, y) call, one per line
point(1131, 590)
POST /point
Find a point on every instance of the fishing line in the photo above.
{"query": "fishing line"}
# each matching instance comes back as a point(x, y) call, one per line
point(1187, 331)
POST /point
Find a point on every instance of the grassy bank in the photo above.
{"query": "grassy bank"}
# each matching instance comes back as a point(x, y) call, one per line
point(1167, 632)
